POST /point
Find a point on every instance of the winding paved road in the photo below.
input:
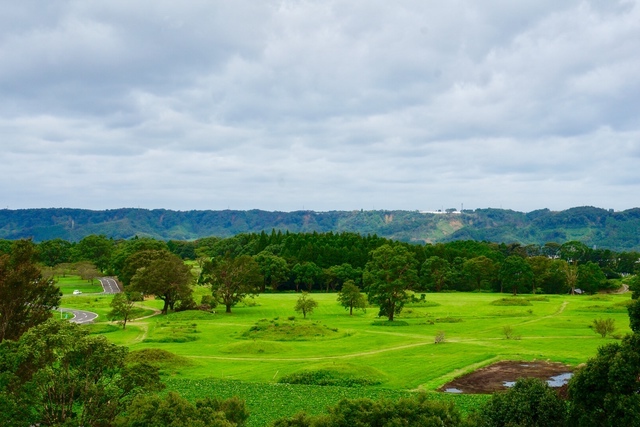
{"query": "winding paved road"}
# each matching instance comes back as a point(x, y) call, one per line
point(110, 285)
point(80, 316)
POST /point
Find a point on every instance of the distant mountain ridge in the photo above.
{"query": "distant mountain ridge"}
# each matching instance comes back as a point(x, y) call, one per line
point(603, 228)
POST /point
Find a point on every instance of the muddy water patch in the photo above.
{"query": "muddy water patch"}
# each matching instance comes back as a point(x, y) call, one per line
point(503, 375)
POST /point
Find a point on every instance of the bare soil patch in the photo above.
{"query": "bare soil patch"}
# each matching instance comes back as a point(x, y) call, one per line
point(493, 377)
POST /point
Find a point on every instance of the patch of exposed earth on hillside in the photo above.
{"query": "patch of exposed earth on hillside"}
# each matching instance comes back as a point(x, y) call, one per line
point(503, 375)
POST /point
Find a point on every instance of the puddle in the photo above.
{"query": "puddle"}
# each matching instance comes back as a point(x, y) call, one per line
point(559, 380)
point(453, 390)
point(555, 381)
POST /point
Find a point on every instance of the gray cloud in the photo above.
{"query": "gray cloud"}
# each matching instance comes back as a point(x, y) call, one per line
point(284, 105)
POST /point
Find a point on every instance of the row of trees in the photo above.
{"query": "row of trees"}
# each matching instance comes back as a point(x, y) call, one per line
point(312, 261)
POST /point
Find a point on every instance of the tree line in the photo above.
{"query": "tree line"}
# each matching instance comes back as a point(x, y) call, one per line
point(324, 261)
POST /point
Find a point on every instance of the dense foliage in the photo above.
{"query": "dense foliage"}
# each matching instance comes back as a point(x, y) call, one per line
point(26, 297)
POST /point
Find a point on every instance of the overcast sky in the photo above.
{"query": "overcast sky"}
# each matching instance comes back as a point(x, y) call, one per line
point(322, 105)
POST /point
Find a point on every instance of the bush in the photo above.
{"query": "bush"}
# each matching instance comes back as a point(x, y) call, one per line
point(412, 411)
point(604, 327)
point(325, 377)
point(529, 403)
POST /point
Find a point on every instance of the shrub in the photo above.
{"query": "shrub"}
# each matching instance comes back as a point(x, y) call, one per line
point(440, 337)
point(529, 403)
point(604, 327)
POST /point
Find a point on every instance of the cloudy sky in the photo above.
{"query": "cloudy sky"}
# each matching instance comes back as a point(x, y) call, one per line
point(320, 104)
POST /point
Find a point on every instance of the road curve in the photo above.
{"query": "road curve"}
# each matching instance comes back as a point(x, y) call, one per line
point(109, 285)
point(80, 316)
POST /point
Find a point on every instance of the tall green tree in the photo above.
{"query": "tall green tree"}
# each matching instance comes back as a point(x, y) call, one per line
point(164, 275)
point(389, 274)
point(233, 279)
point(274, 269)
point(306, 274)
point(350, 297)
point(516, 274)
point(58, 374)
point(436, 272)
point(26, 298)
point(54, 252)
point(479, 272)
point(97, 249)
point(591, 278)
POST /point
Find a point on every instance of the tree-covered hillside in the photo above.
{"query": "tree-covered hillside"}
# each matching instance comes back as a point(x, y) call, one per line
point(589, 225)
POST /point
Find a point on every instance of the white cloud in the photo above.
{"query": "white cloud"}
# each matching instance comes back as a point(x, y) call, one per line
point(322, 104)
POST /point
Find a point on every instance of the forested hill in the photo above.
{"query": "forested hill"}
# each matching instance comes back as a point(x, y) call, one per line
point(593, 226)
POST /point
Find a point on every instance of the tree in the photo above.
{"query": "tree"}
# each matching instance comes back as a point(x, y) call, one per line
point(391, 271)
point(337, 275)
point(54, 252)
point(571, 274)
point(479, 271)
point(26, 298)
point(350, 297)
point(634, 315)
point(175, 411)
point(604, 327)
point(306, 273)
point(125, 249)
point(96, 249)
point(232, 279)
point(164, 275)
point(516, 274)
point(591, 278)
point(605, 391)
point(529, 403)
point(435, 273)
point(58, 374)
point(87, 271)
point(305, 304)
point(122, 305)
point(274, 269)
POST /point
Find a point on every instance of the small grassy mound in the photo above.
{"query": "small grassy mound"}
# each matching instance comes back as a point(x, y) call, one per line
point(449, 320)
point(512, 301)
point(598, 297)
point(614, 308)
point(101, 328)
point(168, 363)
point(538, 298)
point(170, 332)
point(388, 323)
point(278, 330)
point(328, 377)
point(188, 315)
point(255, 347)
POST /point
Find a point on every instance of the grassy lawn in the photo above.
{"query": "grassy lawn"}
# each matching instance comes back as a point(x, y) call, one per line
point(248, 351)
point(69, 284)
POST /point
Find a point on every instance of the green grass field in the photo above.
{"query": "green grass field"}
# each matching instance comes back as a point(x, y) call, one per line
point(69, 284)
point(249, 351)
